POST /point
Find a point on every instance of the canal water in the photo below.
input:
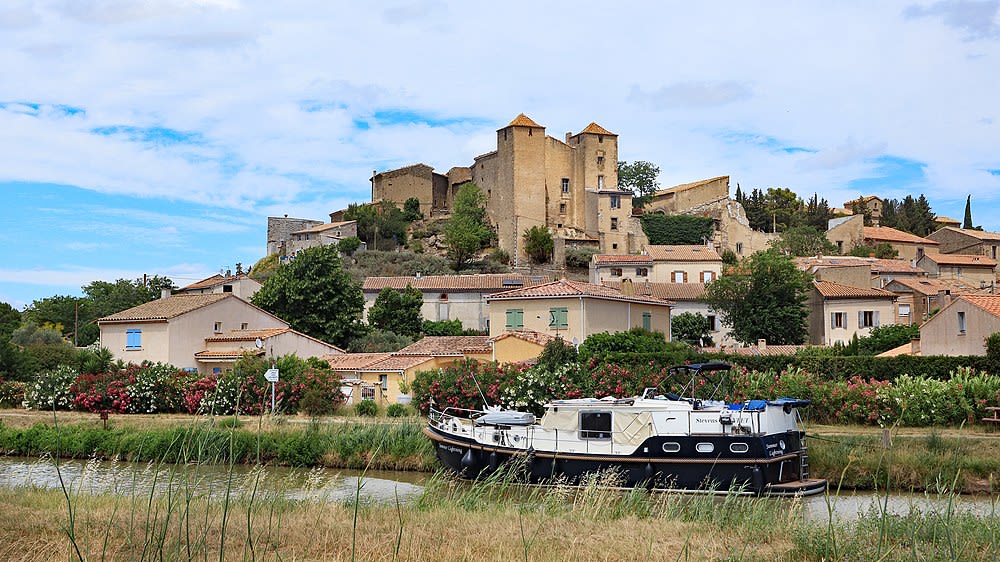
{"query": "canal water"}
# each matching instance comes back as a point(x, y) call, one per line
point(334, 485)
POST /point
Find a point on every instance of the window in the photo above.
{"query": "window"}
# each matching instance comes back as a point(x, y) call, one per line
point(671, 447)
point(711, 323)
point(614, 246)
point(920, 253)
point(642, 272)
point(443, 310)
point(707, 276)
point(133, 339)
point(958, 272)
point(515, 319)
point(216, 371)
point(383, 381)
point(994, 252)
point(704, 447)
point(840, 246)
point(616, 272)
point(595, 425)
point(616, 202)
point(868, 319)
point(227, 288)
point(680, 277)
point(904, 311)
point(565, 185)
point(600, 182)
point(218, 327)
point(647, 321)
point(961, 323)
point(244, 326)
point(739, 447)
point(562, 208)
point(614, 223)
point(558, 317)
point(600, 138)
point(838, 320)
point(739, 247)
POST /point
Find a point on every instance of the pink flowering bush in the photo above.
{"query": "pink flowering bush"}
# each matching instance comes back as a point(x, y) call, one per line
point(101, 392)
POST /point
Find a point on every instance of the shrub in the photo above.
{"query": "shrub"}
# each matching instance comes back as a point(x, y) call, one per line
point(315, 402)
point(532, 388)
point(580, 257)
point(51, 390)
point(366, 408)
point(499, 256)
point(397, 410)
point(993, 346)
point(157, 387)
point(557, 353)
point(349, 245)
point(635, 340)
point(229, 423)
point(12, 393)
point(676, 229)
point(101, 392)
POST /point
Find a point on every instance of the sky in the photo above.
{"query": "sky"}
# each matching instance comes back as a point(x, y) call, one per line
point(156, 137)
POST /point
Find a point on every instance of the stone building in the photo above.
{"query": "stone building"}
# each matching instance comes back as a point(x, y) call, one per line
point(869, 203)
point(967, 241)
point(418, 181)
point(280, 229)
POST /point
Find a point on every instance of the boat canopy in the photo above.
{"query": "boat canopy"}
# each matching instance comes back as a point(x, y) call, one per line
point(506, 417)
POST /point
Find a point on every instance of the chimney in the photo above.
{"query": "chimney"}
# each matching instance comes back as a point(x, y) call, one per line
point(915, 346)
point(762, 344)
point(417, 275)
point(165, 293)
point(569, 134)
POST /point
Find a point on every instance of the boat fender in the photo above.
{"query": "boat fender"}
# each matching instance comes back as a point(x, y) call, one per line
point(493, 461)
point(469, 460)
point(649, 471)
point(758, 480)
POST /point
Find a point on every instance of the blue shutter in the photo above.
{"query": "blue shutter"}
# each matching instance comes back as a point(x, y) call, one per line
point(133, 339)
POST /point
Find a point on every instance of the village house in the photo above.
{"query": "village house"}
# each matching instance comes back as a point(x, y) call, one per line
point(955, 240)
point(574, 310)
point(908, 246)
point(241, 285)
point(222, 350)
point(838, 312)
point(961, 328)
point(917, 298)
point(686, 297)
point(452, 297)
point(659, 264)
point(176, 328)
point(972, 269)
point(288, 236)
point(850, 270)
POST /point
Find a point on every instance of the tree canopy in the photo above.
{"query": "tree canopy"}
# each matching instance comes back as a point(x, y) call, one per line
point(381, 225)
point(639, 177)
point(467, 231)
point(538, 244)
point(398, 311)
point(804, 241)
point(779, 209)
point(882, 250)
point(692, 328)
point(909, 215)
point(762, 298)
point(315, 296)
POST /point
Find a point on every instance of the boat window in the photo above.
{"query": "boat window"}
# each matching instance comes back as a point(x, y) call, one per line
point(595, 425)
point(739, 447)
point(671, 447)
point(704, 447)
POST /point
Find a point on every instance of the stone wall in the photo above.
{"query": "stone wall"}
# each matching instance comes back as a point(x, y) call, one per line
point(280, 229)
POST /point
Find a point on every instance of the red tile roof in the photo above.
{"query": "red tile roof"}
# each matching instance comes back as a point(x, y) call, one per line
point(444, 283)
point(567, 288)
point(614, 259)
point(530, 336)
point(754, 350)
point(170, 307)
point(248, 335)
point(831, 290)
point(447, 345)
point(962, 259)
point(523, 120)
point(683, 253)
point(989, 303)
point(927, 287)
point(398, 363)
point(354, 361)
point(668, 291)
point(886, 234)
point(227, 353)
point(596, 129)
point(878, 265)
point(978, 234)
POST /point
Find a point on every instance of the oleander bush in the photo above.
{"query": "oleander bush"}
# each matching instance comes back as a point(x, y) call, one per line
point(51, 389)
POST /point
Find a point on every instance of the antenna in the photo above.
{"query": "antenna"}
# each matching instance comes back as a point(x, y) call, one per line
point(486, 405)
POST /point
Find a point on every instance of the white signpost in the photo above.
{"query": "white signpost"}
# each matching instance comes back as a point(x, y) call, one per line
point(271, 375)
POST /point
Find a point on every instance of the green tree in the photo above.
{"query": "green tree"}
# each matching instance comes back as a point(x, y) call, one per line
point(993, 346)
point(316, 296)
point(265, 268)
point(379, 341)
point(884, 338)
point(804, 241)
point(349, 245)
point(692, 328)
point(381, 225)
point(762, 298)
point(557, 353)
point(784, 207)
point(467, 231)
point(538, 244)
point(967, 223)
point(10, 319)
point(411, 209)
point(817, 213)
point(639, 177)
point(635, 340)
point(397, 311)
point(882, 250)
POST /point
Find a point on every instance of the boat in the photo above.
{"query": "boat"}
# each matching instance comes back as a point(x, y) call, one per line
point(659, 440)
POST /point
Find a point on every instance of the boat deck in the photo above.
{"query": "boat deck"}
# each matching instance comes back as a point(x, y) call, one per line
point(807, 487)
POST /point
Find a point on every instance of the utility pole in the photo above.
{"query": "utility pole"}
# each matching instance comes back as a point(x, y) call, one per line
point(76, 323)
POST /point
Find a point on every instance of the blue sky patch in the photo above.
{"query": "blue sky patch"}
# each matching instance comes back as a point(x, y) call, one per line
point(36, 109)
point(160, 136)
point(994, 172)
point(766, 142)
point(891, 172)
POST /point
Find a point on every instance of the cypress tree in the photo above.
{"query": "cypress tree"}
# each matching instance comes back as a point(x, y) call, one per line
point(967, 223)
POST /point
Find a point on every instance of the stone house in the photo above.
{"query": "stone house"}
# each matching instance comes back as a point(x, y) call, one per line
point(846, 232)
point(686, 297)
point(452, 297)
point(908, 246)
point(971, 269)
point(321, 235)
point(871, 203)
point(279, 232)
point(839, 312)
point(176, 328)
point(242, 285)
point(859, 272)
point(418, 181)
point(574, 310)
point(681, 198)
point(659, 264)
point(955, 240)
point(917, 298)
point(961, 328)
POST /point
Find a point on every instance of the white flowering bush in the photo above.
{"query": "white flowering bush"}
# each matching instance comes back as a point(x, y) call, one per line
point(51, 390)
point(156, 388)
point(923, 401)
point(531, 389)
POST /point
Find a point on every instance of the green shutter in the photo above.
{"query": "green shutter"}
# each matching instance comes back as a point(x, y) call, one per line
point(647, 321)
point(515, 319)
point(558, 317)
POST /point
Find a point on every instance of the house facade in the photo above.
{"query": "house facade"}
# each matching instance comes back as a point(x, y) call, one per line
point(839, 312)
point(241, 285)
point(573, 311)
point(452, 297)
point(685, 297)
point(976, 270)
point(954, 240)
point(908, 246)
point(961, 328)
point(174, 329)
point(659, 264)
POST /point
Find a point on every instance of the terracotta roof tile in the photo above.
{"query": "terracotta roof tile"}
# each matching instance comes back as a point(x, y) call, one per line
point(962, 259)
point(567, 288)
point(207, 282)
point(927, 287)
point(692, 185)
point(878, 265)
point(831, 290)
point(667, 291)
point(683, 253)
point(324, 227)
point(753, 350)
point(354, 361)
point(611, 259)
point(596, 129)
point(989, 303)
point(886, 234)
point(905, 349)
point(227, 353)
point(398, 363)
point(526, 335)
point(482, 282)
point(165, 309)
point(946, 220)
point(248, 335)
point(523, 120)
point(447, 345)
point(978, 234)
